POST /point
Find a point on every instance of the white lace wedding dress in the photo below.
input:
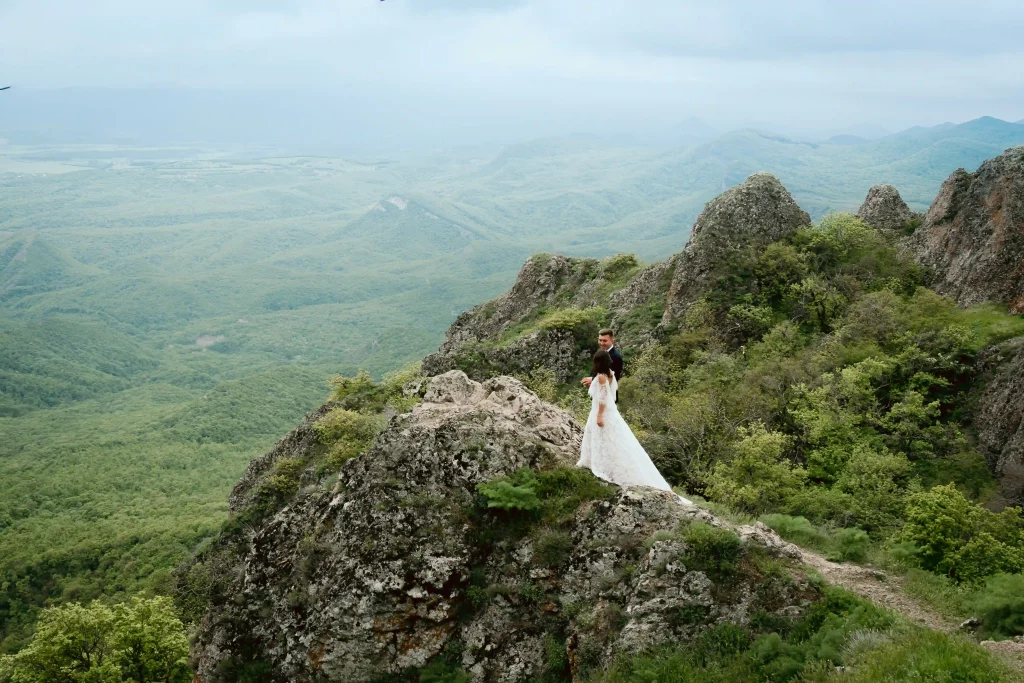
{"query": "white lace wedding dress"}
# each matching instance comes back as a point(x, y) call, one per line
point(612, 452)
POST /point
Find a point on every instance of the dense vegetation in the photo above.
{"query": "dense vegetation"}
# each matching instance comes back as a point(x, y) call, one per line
point(820, 386)
point(166, 319)
point(139, 641)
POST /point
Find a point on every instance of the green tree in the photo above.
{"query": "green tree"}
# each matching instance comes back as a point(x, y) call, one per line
point(758, 477)
point(142, 641)
point(72, 644)
point(150, 641)
point(956, 537)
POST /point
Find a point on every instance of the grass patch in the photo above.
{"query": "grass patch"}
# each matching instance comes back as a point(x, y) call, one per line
point(839, 545)
point(922, 655)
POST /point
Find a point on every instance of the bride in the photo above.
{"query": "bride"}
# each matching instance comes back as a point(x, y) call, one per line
point(609, 448)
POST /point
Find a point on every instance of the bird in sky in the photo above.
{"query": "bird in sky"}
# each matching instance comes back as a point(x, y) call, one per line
point(6, 87)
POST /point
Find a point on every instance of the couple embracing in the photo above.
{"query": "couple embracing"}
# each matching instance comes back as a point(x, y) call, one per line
point(610, 450)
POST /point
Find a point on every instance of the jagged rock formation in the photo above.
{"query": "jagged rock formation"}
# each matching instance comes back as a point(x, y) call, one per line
point(510, 335)
point(637, 303)
point(885, 209)
point(738, 222)
point(973, 234)
point(1000, 416)
point(388, 568)
point(298, 441)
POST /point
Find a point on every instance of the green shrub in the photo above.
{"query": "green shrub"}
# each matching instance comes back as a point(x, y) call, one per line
point(876, 481)
point(563, 489)
point(277, 488)
point(821, 504)
point(798, 530)
point(925, 655)
point(516, 493)
point(542, 381)
point(712, 550)
point(618, 267)
point(552, 547)
point(584, 323)
point(346, 424)
point(961, 539)
point(441, 671)
point(342, 387)
point(1000, 606)
point(851, 545)
point(776, 270)
point(751, 321)
point(817, 303)
point(757, 476)
point(807, 649)
point(348, 433)
point(556, 659)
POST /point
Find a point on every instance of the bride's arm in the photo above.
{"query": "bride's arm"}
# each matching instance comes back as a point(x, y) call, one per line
point(602, 399)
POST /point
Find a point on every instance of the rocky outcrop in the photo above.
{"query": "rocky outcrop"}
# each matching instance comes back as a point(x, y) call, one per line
point(398, 563)
point(734, 225)
point(973, 235)
point(298, 441)
point(516, 333)
point(544, 280)
point(1000, 416)
point(884, 209)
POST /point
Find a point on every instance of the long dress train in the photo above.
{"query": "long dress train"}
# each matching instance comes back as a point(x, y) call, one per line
point(612, 452)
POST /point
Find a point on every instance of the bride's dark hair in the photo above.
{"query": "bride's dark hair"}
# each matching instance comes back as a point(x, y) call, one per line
point(602, 364)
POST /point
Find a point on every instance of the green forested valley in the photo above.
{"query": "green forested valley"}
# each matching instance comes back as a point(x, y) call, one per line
point(166, 314)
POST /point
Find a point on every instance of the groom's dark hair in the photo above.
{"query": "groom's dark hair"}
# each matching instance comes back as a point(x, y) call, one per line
point(606, 333)
point(602, 363)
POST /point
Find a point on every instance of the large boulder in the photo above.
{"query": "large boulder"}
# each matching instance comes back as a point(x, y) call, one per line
point(397, 563)
point(973, 235)
point(732, 227)
point(885, 209)
point(1000, 416)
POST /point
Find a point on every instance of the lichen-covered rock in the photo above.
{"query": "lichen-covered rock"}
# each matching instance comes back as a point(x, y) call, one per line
point(515, 333)
point(299, 440)
point(885, 209)
point(389, 568)
point(555, 350)
point(734, 225)
point(543, 280)
point(1000, 416)
point(973, 235)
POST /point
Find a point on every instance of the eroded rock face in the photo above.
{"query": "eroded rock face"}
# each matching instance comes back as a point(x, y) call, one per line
point(1000, 416)
point(294, 444)
point(502, 337)
point(543, 281)
point(885, 209)
point(739, 221)
point(973, 234)
point(374, 576)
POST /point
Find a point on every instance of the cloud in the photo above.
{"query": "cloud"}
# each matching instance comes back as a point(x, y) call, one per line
point(891, 62)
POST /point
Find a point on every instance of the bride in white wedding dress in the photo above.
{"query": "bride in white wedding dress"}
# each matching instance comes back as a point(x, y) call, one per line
point(609, 448)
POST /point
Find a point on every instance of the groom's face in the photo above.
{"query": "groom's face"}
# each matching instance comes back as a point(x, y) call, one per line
point(605, 341)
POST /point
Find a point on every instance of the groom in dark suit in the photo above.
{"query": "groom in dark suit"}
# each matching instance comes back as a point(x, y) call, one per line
point(606, 340)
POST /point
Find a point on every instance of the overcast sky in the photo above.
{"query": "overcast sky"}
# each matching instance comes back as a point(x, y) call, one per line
point(819, 64)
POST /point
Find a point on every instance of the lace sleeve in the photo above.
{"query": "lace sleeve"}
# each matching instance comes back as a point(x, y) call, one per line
point(602, 394)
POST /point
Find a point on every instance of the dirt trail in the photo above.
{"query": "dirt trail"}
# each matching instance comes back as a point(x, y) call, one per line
point(878, 587)
point(887, 590)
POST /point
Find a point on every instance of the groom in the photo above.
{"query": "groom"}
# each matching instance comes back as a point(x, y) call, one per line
point(606, 340)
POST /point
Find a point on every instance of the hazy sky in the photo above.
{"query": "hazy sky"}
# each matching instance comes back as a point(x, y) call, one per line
point(819, 64)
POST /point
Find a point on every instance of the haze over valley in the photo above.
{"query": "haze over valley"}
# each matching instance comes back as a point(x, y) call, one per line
point(220, 219)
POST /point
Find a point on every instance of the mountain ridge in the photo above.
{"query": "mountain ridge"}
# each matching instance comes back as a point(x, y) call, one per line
point(448, 435)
